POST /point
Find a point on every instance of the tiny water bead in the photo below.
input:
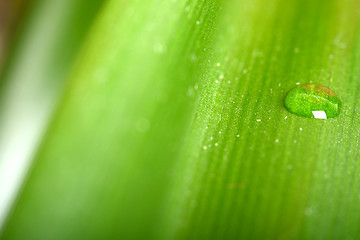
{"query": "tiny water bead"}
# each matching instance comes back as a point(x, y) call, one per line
point(313, 101)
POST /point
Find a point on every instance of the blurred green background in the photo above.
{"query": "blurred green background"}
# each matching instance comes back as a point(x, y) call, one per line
point(165, 120)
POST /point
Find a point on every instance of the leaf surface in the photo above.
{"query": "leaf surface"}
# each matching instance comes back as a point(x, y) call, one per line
point(173, 126)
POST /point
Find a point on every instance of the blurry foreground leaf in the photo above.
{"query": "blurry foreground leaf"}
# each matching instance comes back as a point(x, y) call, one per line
point(32, 80)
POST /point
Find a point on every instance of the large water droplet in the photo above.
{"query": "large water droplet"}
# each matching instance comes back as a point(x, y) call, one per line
point(313, 101)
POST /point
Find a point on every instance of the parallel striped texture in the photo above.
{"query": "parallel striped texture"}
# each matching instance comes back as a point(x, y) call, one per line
point(173, 127)
point(264, 173)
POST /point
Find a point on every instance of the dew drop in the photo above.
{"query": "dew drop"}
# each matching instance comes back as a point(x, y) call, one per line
point(313, 101)
point(309, 211)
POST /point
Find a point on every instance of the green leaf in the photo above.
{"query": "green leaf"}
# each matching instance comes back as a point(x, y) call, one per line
point(33, 78)
point(173, 126)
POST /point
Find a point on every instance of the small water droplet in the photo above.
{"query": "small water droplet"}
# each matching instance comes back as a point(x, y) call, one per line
point(258, 120)
point(159, 48)
point(193, 57)
point(190, 92)
point(313, 101)
point(309, 211)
